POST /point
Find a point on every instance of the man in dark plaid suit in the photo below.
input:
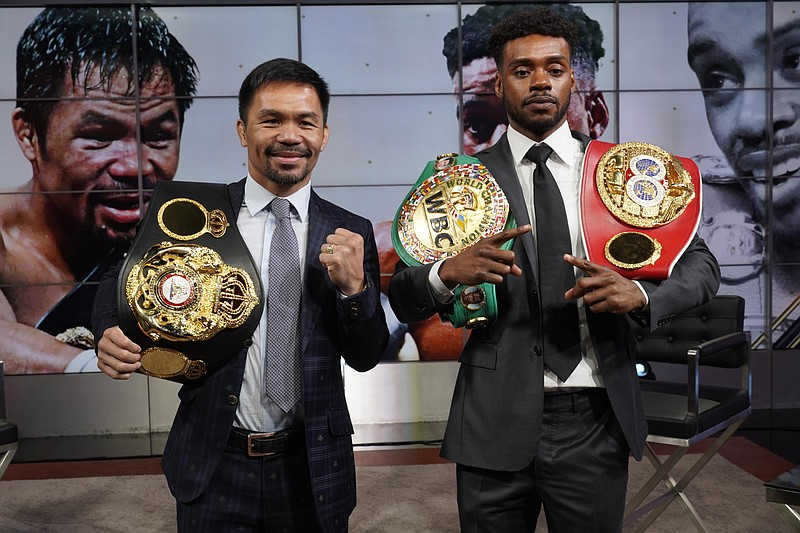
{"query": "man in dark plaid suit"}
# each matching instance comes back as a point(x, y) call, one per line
point(224, 473)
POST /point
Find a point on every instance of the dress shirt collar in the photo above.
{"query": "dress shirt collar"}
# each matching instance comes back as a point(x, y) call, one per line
point(256, 198)
point(561, 141)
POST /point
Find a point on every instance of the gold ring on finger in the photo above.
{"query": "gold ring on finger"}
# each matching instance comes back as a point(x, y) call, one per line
point(330, 249)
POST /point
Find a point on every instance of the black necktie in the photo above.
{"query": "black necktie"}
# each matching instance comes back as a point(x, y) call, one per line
point(559, 316)
point(283, 311)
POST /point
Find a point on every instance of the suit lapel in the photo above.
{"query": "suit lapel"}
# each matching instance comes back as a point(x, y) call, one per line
point(500, 162)
point(601, 325)
point(236, 193)
point(321, 223)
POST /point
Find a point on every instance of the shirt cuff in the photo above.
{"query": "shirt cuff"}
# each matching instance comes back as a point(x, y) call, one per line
point(440, 291)
point(646, 298)
point(343, 296)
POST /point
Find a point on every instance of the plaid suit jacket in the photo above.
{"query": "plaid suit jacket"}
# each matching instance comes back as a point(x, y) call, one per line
point(331, 328)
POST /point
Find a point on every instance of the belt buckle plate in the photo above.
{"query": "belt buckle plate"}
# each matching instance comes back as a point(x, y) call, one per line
point(250, 437)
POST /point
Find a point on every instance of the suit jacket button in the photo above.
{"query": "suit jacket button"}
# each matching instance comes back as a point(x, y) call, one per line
point(232, 400)
point(537, 351)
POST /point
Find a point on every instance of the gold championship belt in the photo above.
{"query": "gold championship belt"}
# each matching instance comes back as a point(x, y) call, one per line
point(454, 203)
point(640, 207)
point(188, 293)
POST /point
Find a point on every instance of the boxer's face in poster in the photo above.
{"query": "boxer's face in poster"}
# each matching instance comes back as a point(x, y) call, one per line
point(485, 118)
point(728, 53)
point(91, 146)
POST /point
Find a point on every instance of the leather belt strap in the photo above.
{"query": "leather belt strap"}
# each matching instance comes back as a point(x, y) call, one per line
point(263, 444)
point(573, 400)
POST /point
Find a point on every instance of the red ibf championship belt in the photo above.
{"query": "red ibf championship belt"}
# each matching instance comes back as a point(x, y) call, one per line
point(640, 207)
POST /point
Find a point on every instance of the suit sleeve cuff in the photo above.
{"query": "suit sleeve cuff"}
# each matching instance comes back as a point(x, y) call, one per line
point(343, 296)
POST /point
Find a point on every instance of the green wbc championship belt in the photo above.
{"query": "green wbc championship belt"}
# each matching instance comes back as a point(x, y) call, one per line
point(454, 203)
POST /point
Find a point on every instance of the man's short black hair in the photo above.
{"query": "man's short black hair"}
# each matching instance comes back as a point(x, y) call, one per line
point(540, 21)
point(72, 41)
point(282, 70)
point(475, 31)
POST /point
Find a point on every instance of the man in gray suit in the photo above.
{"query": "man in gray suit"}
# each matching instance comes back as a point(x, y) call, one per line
point(525, 429)
point(238, 458)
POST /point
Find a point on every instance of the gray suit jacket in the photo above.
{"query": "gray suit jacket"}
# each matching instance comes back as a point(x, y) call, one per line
point(496, 413)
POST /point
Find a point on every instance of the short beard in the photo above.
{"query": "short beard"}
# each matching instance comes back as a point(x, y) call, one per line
point(280, 177)
point(286, 178)
point(535, 124)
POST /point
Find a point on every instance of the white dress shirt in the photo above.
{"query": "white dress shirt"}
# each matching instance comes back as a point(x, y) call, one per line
point(255, 411)
point(566, 166)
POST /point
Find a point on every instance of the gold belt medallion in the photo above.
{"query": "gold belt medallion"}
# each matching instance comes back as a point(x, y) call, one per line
point(185, 292)
point(450, 211)
point(454, 203)
point(166, 363)
point(186, 219)
point(632, 249)
point(643, 186)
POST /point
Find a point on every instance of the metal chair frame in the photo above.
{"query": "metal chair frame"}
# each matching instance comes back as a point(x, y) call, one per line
point(783, 495)
point(635, 508)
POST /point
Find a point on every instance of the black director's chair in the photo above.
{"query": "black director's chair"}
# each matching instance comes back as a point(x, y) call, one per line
point(683, 414)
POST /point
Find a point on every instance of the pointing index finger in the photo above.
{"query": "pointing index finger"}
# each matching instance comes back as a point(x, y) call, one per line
point(583, 264)
point(506, 235)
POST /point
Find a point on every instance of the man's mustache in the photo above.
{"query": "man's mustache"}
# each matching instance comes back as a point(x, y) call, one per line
point(539, 99)
point(279, 149)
